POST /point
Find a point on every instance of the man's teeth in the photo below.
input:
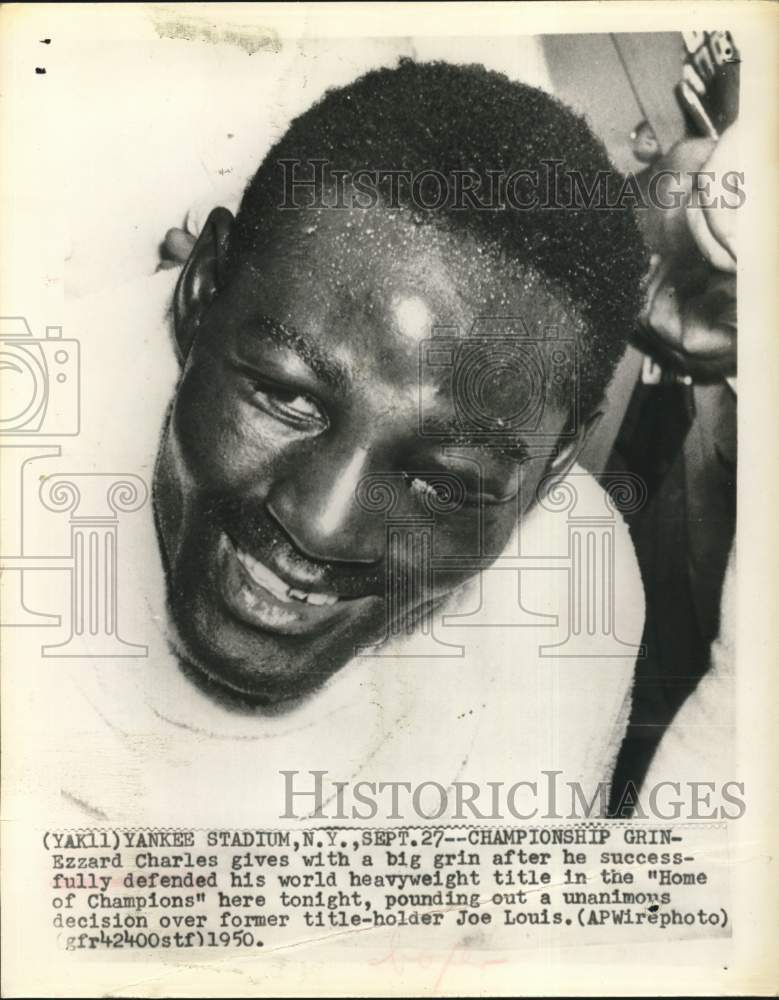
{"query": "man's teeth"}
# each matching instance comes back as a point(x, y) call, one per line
point(266, 578)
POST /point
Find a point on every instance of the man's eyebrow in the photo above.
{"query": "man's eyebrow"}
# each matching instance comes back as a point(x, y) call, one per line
point(328, 369)
point(451, 431)
point(449, 426)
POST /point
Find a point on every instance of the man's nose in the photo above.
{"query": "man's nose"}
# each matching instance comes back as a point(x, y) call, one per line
point(318, 506)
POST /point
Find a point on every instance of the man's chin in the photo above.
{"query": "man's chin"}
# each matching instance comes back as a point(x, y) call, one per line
point(274, 674)
point(238, 692)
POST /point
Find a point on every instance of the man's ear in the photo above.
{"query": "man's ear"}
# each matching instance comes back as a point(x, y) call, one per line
point(201, 278)
point(560, 465)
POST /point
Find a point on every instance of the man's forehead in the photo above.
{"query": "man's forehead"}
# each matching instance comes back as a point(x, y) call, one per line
point(389, 261)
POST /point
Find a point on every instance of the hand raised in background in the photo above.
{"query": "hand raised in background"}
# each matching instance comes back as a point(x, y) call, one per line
point(690, 313)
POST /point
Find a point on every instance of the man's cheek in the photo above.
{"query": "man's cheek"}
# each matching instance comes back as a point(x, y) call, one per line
point(476, 532)
point(458, 535)
point(220, 446)
point(207, 421)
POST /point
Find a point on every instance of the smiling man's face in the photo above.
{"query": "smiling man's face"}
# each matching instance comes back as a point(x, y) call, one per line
point(302, 384)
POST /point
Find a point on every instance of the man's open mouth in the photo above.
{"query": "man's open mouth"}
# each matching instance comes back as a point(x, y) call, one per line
point(263, 576)
point(260, 598)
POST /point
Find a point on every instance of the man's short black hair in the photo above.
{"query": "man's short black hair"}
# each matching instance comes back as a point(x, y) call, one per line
point(448, 118)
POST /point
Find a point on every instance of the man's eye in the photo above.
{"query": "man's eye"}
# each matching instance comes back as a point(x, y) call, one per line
point(293, 407)
point(446, 494)
point(428, 488)
point(453, 491)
